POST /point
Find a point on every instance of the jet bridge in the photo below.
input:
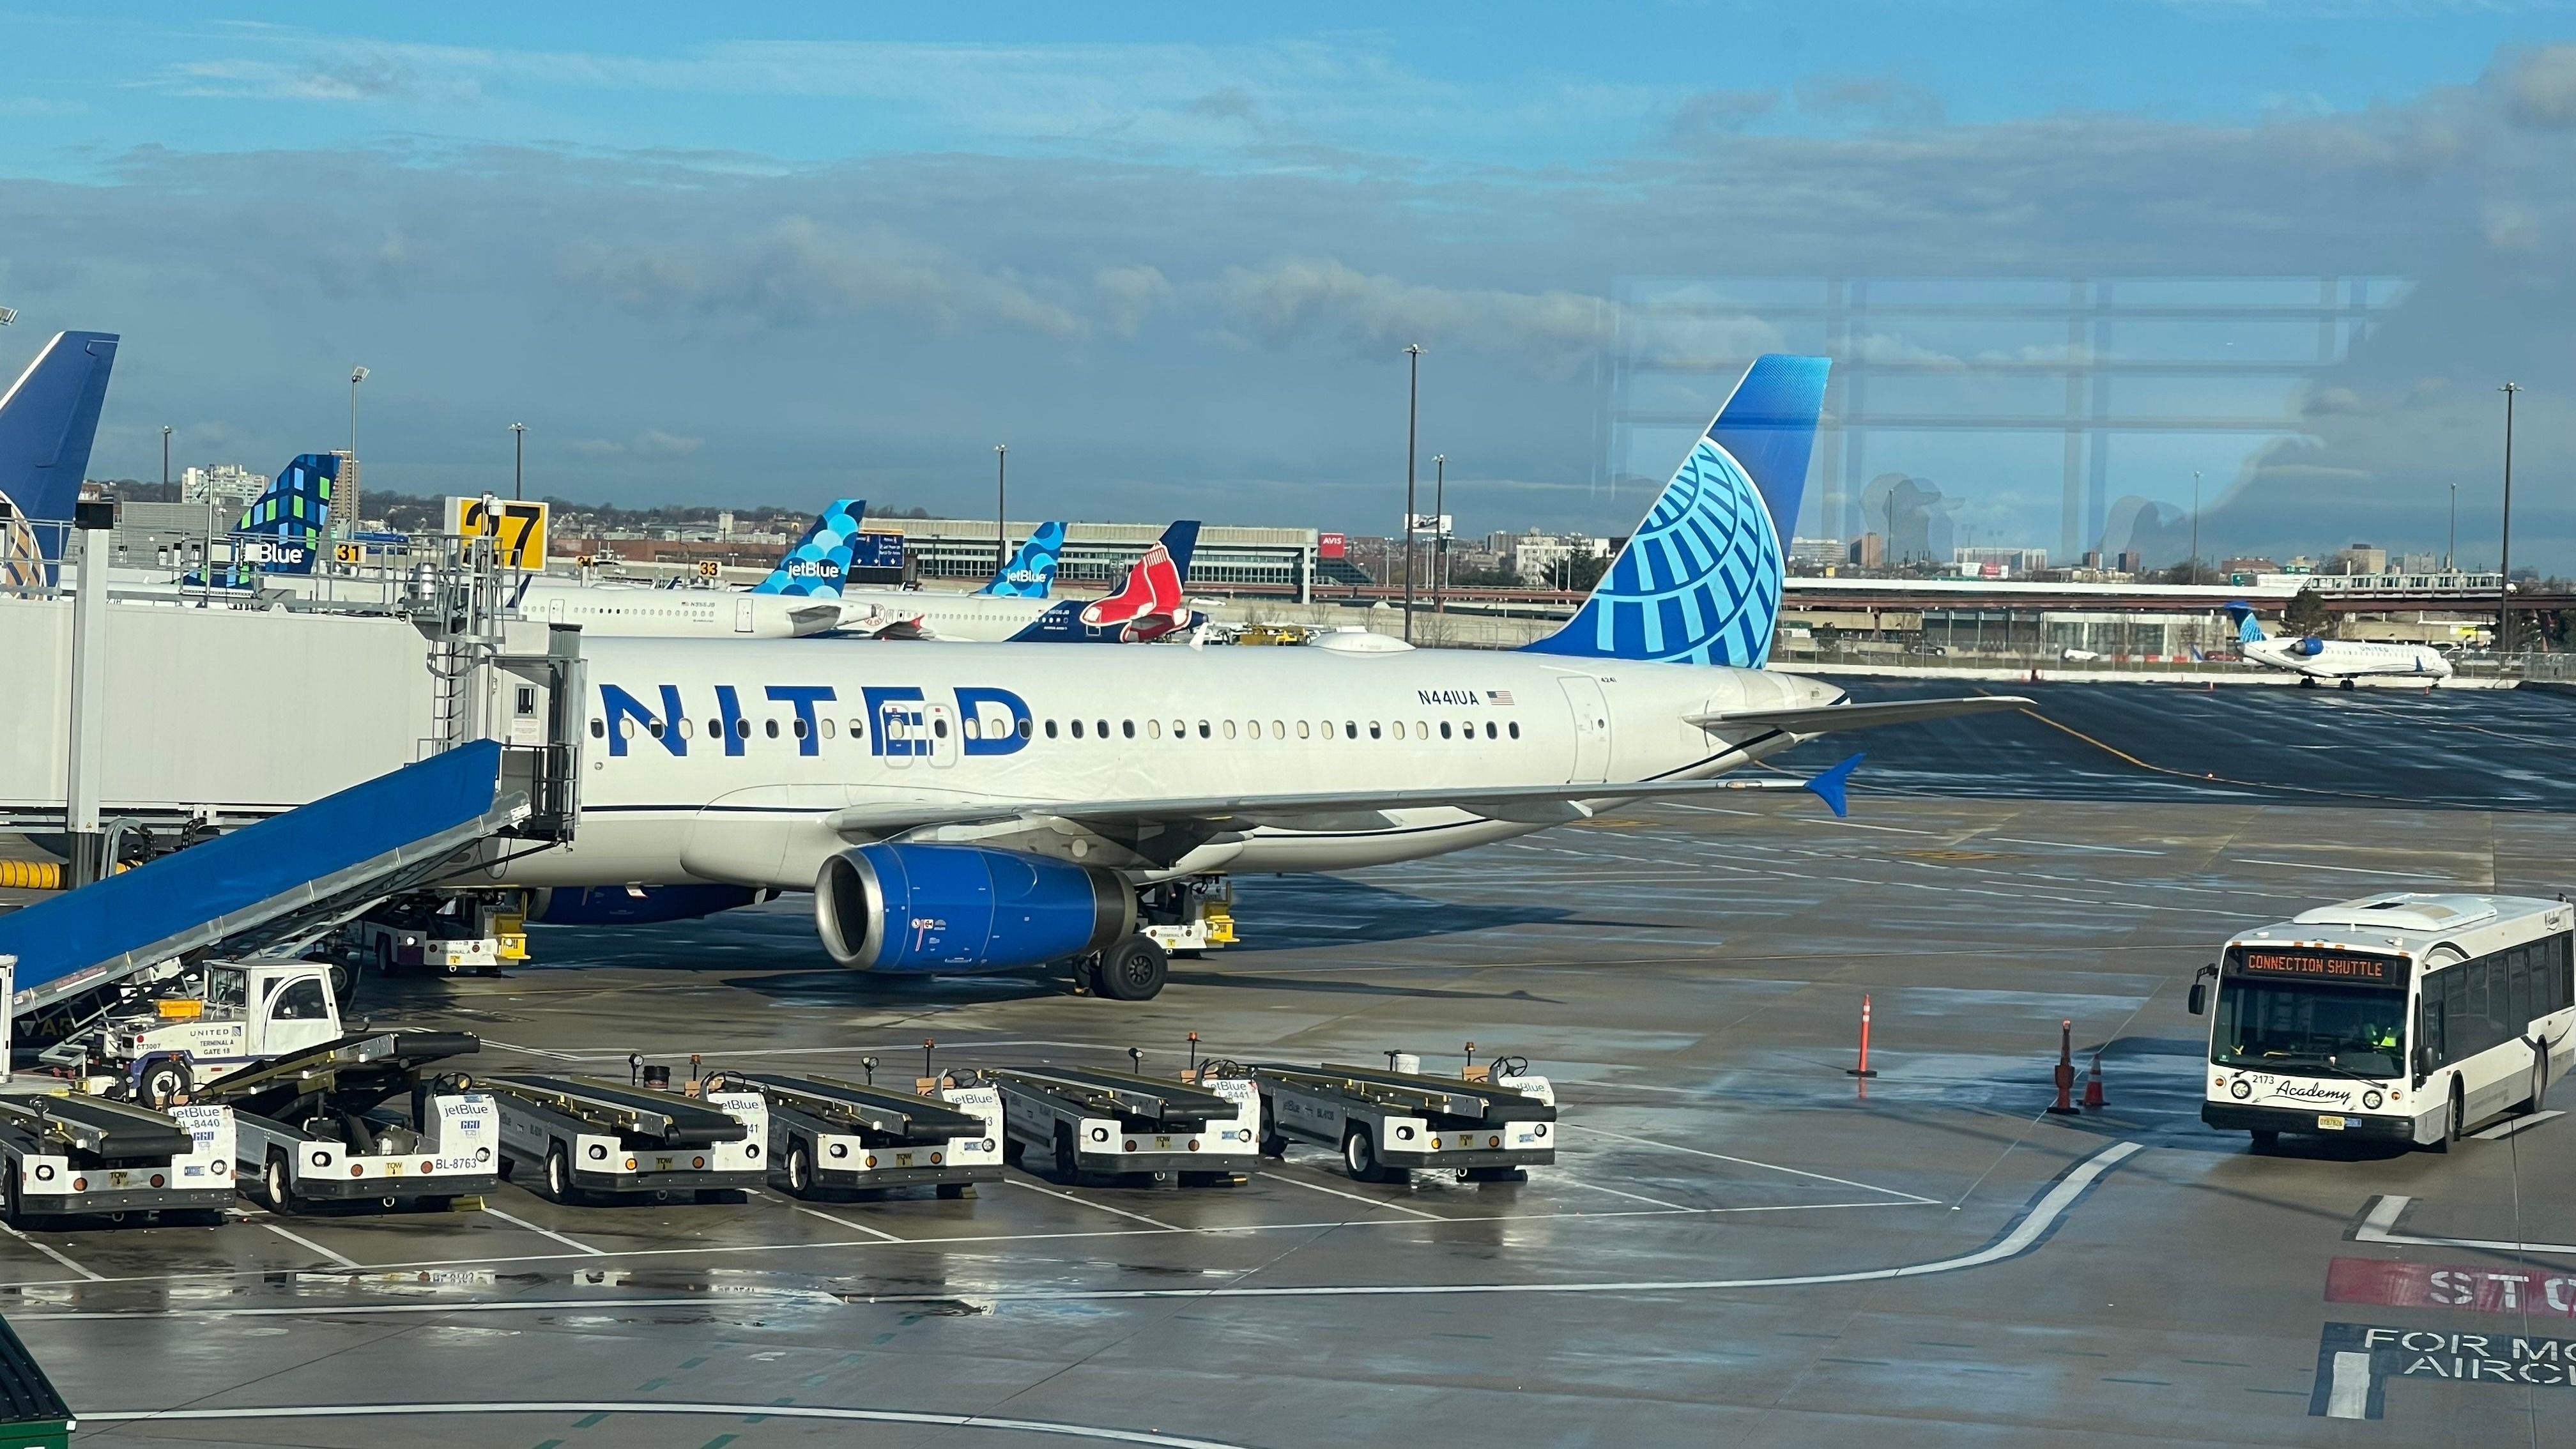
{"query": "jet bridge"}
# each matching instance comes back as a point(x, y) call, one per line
point(285, 879)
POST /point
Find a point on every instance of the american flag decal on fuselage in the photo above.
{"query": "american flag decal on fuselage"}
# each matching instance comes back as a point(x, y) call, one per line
point(1498, 696)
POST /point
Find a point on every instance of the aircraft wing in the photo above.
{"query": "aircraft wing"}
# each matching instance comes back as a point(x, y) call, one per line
point(1825, 719)
point(1309, 810)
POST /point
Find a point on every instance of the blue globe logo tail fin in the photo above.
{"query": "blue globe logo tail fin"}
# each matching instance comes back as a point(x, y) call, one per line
point(1699, 582)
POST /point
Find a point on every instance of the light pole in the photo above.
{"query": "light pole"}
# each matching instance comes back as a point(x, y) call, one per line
point(349, 486)
point(518, 461)
point(1412, 414)
point(1001, 507)
point(2451, 555)
point(165, 460)
point(1439, 532)
point(2504, 565)
point(2195, 525)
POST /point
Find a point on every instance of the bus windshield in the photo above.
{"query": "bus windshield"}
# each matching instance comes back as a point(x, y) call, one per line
point(2288, 1026)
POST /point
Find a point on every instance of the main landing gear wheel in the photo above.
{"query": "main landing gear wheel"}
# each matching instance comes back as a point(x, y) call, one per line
point(2347, 684)
point(1133, 970)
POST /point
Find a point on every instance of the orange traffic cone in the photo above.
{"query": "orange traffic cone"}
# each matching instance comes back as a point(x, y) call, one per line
point(2093, 1086)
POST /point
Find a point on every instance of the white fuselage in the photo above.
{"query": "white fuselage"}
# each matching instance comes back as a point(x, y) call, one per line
point(635, 611)
point(704, 803)
point(973, 617)
point(2337, 659)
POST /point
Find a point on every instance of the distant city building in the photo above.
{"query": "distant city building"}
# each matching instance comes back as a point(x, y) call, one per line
point(1869, 551)
point(229, 486)
point(2361, 558)
point(2009, 560)
point(1816, 550)
point(2420, 563)
point(1538, 557)
point(2253, 565)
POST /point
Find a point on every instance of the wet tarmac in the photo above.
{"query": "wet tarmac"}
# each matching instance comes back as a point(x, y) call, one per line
point(1739, 1243)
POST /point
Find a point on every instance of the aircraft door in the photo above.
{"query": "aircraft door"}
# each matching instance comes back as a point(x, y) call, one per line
point(1591, 709)
point(940, 743)
point(900, 731)
point(743, 622)
point(555, 609)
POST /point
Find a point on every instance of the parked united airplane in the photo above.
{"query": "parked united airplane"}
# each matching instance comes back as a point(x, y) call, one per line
point(1001, 807)
point(2314, 659)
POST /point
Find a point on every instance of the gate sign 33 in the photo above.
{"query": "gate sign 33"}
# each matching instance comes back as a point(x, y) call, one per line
point(517, 530)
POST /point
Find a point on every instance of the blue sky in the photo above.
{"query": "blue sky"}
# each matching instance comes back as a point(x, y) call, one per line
point(1169, 252)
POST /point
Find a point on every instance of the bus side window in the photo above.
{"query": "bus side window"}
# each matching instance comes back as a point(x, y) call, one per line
point(2428, 1031)
point(2455, 1008)
point(2518, 1012)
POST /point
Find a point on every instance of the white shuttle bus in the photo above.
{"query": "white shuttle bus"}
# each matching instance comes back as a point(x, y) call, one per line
point(2401, 1018)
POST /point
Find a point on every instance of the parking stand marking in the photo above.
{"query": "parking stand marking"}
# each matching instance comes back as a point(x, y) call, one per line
point(2511, 1125)
point(1355, 1197)
point(1744, 1161)
point(2379, 1226)
point(730, 1411)
point(307, 1243)
point(543, 1232)
point(1104, 1207)
point(50, 1253)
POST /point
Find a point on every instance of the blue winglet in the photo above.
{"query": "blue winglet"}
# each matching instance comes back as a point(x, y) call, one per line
point(1831, 785)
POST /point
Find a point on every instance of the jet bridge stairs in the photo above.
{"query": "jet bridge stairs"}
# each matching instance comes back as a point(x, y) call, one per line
point(275, 886)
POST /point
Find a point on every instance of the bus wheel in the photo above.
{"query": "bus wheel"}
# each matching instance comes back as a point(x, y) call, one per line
point(2266, 1142)
point(2451, 1123)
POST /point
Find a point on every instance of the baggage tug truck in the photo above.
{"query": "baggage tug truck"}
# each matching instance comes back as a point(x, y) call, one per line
point(837, 1137)
point(224, 1017)
point(1386, 1123)
point(363, 1121)
point(580, 1136)
point(1116, 1123)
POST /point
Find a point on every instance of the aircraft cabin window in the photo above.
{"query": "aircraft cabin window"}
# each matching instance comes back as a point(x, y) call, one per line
point(1153, 729)
point(1489, 729)
point(773, 728)
point(1180, 729)
point(827, 729)
point(599, 729)
point(1516, 729)
point(972, 727)
point(626, 729)
point(1350, 729)
point(688, 728)
point(1373, 730)
point(797, 729)
point(858, 729)
point(742, 728)
point(653, 727)
point(715, 729)
point(1203, 729)
point(1229, 729)
point(1077, 729)
point(1050, 729)
point(1127, 727)
point(1103, 728)
point(1278, 730)
point(1444, 729)
point(1302, 732)
point(939, 727)
point(1024, 728)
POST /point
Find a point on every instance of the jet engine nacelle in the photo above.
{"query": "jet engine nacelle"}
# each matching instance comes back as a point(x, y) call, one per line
point(2309, 647)
point(965, 908)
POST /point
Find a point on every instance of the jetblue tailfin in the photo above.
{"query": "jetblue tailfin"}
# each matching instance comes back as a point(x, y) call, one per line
point(820, 561)
point(2249, 629)
point(283, 528)
point(48, 419)
point(1700, 580)
point(1031, 572)
point(1148, 604)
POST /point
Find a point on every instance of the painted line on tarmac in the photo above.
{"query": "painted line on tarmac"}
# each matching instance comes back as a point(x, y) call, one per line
point(2338, 869)
point(606, 1406)
point(496, 1305)
point(882, 1237)
point(2379, 1226)
point(1572, 1181)
point(1355, 1197)
point(702, 1250)
point(2071, 845)
point(1746, 1162)
point(544, 1232)
point(311, 1246)
point(52, 1253)
point(1104, 1207)
point(2511, 1125)
point(2024, 1234)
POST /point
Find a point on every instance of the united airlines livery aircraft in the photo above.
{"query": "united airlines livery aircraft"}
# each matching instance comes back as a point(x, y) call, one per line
point(48, 419)
point(2314, 659)
point(1000, 807)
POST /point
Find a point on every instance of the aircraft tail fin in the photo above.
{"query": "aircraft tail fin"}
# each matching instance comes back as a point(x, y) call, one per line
point(279, 532)
point(48, 419)
point(2249, 629)
point(1031, 572)
point(820, 561)
point(1700, 580)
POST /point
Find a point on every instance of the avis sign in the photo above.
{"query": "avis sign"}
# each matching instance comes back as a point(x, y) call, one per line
point(517, 530)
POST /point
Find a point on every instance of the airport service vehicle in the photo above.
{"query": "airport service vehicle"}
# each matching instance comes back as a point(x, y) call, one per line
point(1489, 1125)
point(66, 1155)
point(832, 1137)
point(1086, 1122)
point(1000, 808)
point(2315, 660)
point(580, 1136)
point(2406, 1017)
point(365, 1119)
point(446, 932)
point(219, 1018)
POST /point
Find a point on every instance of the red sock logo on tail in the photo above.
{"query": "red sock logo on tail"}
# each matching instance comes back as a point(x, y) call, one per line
point(1152, 587)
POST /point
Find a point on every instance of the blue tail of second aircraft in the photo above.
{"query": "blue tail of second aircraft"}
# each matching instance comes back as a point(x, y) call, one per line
point(1700, 580)
point(282, 530)
point(1147, 605)
point(1031, 572)
point(48, 419)
point(820, 561)
point(2249, 629)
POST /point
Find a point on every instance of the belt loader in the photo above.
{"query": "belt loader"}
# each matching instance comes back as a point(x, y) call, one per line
point(1086, 1121)
point(1385, 1123)
point(832, 1137)
point(75, 1156)
point(366, 1119)
point(581, 1135)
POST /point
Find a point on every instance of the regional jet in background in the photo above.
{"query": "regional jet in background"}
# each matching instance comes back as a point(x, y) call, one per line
point(1005, 807)
point(2314, 659)
point(48, 419)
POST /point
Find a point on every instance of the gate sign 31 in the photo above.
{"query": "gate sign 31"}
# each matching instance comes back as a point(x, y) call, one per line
point(517, 530)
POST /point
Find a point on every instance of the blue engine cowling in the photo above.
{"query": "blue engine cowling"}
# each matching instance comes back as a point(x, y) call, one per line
point(965, 908)
point(638, 905)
